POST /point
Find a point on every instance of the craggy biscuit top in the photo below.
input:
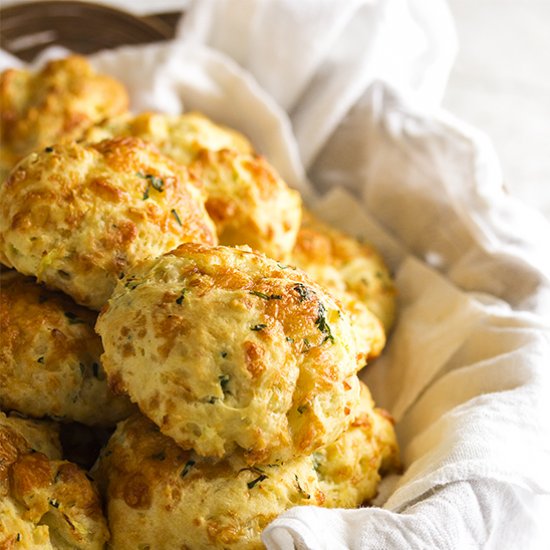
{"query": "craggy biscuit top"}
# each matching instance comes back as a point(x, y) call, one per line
point(50, 357)
point(353, 271)
point(179, 137)
point(247, 199)
point(45, 502)
point(163, 497)
point(54, 104)
point(249, 202)
point(33, 435)
point(77, 216)
point(224, 348)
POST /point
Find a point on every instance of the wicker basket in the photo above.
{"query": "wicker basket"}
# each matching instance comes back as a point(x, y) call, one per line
point(79, 26)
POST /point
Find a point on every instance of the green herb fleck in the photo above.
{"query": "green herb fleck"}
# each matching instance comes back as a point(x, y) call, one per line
point(224, 380)
point(188, 465)
point(40, 360)
point(223, 354)
point(212, 399)
point(300, 489)
point(157, 183)
point(266, 296)
point(258, 327)
point(18, 537)
point(131, 283)
point(322, 324)
point(289, 339)
point(307, 345)
point(303, 408)
point(175, 214)
point(317, 459)
point(303, 292)
point(254, 482)
point(73, 319)
point(54, 503)
point(152, 181)
point(181, 297)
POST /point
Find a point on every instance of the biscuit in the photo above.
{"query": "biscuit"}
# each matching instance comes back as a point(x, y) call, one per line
point(56, 103)
point(50, 357)
point(356, 274)
point(160, 496)
point(77, 216)
point(44, 502)
point(247, 199)
point(225, 348)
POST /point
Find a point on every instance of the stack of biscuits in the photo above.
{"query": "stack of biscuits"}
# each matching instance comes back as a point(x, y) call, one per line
point(165, 294)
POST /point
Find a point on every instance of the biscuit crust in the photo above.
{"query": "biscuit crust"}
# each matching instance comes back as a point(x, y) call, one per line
point(163, 497)
point(54, 104)
point(50, 357)
point(77, 216)
point(247, 199)
point(179, 137)
point(44, 502)
point(249, 202)
point(356, 274)
point(224, 348)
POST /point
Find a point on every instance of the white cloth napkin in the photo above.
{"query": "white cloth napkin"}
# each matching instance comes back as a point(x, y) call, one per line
point(319, 87)
point(466, 371)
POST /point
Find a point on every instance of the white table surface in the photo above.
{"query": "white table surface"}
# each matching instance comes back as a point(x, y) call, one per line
point(500, 82)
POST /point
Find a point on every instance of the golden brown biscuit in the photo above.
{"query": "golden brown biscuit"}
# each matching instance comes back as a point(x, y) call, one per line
point(41, 435)
point(248, 201)
point(78, 216)
point(179, 137)
point(225, 348)
point(159, 496)
point(44, 502)
point(356, 274)
point(50, 357)
point(57, 103)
